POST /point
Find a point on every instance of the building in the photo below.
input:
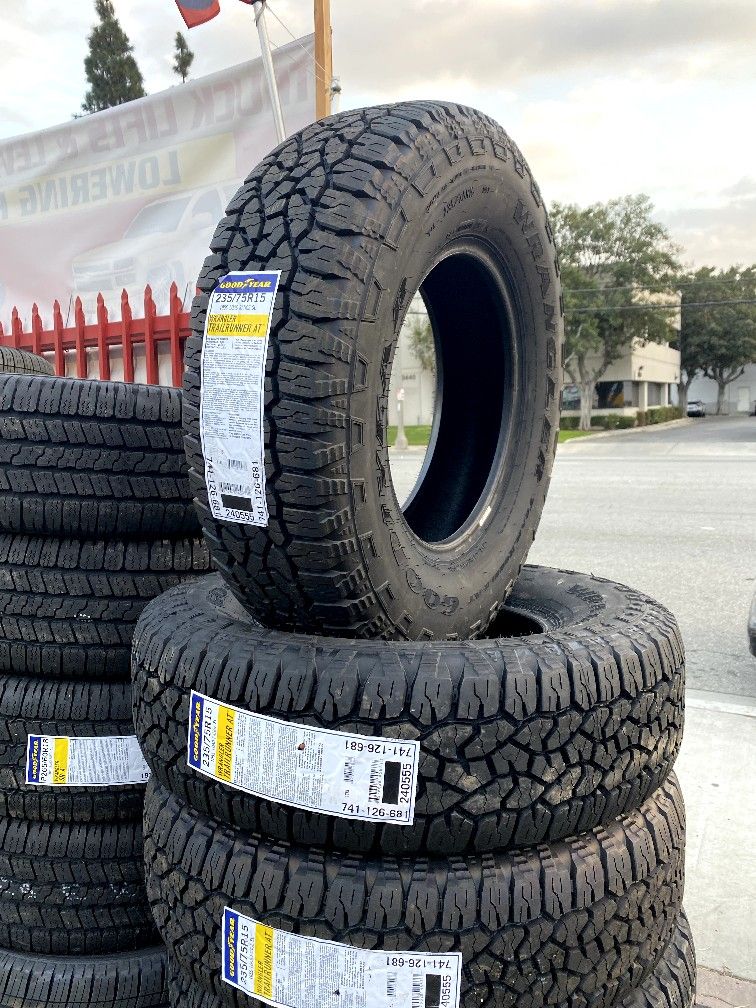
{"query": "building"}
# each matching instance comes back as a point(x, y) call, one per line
point(740, 395)
point(644, 377)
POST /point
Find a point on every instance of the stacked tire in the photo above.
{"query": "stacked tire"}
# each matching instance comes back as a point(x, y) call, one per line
point(536, 713)
point(95, 521)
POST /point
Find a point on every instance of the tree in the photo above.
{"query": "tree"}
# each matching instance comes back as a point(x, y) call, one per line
point(603, 247)
point(112, 71)
point(719, 340)
point(183, 57)
point(421, 340)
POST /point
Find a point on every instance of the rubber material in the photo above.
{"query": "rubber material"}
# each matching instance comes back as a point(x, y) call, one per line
point(93, 459)
point(673, 982)
point(671, 985)
point(523, 740)
point(358, 211)
point(78, 709)
point(588, 917)
point(68, 607)
point(22, 362)
point(124, 980)
point(72, 890)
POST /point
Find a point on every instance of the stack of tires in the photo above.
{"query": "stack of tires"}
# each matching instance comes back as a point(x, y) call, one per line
point(95, 521)
point(392, 768)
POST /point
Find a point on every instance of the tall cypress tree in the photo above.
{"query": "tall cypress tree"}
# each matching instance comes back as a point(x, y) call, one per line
point(111, 69)
point(183, 57)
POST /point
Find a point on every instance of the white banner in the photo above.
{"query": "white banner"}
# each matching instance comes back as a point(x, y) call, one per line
point(132, 195)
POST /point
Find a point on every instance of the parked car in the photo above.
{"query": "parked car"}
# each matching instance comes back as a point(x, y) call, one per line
point(696, 408)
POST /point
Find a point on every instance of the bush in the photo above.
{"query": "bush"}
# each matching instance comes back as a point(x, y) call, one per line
point(641, 418)
point(569, 423)
point(663, 414)
point(625, 422)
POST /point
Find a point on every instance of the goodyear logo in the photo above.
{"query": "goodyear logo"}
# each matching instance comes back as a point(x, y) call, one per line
point(197, 710)
point(230, 942)
point(33, 761)
point(245, 282)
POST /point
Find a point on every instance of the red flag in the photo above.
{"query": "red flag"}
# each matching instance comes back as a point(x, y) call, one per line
point(196, 12)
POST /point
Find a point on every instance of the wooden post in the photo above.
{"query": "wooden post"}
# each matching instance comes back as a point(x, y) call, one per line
point(323, 58)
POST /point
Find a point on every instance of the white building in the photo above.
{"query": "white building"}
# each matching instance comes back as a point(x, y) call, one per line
point(740, 395)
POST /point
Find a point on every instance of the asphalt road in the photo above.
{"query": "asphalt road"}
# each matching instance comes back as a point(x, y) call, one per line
point(672, 512)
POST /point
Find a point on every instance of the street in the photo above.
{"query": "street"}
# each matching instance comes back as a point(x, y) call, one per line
point(672, 511)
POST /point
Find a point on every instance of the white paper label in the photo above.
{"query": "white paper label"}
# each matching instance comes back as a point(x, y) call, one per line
point(292, 971)
point(62, 761)
point(232, 395)
point(350, 776)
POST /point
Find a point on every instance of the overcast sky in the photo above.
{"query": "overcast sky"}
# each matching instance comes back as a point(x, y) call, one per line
point(605, 97)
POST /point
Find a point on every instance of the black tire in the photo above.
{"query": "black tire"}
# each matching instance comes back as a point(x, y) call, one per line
point(92, 459)
point(523, 740)
point(357, 211)
point(22, 362)
point(673, 982)
point(586, 919)
point(79, 709)
point(671, 985)
point(72, 890)
point(68, 607)
point(124, 980)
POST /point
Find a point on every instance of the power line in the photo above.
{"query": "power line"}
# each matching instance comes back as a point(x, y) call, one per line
point(663, 286)
point(295, 39)
point(653, 307)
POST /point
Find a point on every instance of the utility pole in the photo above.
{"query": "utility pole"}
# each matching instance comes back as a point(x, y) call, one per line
point(323, 59)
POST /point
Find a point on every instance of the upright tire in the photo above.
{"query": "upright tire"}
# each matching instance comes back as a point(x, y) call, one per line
point(583, 921)
point(93, 459)
point(522, 739)
point(14, 361)
point(359, 212)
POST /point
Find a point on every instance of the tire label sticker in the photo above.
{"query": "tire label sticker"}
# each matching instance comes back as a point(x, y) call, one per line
point(62, 761)
point(293, 971)
point(232, 395)
point(317, 769)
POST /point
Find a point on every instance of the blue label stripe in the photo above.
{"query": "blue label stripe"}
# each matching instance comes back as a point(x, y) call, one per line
point(230, 946)
point(33, 759)
point(196, 717)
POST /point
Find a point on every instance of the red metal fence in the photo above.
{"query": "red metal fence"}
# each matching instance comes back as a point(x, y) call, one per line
point(151, 331)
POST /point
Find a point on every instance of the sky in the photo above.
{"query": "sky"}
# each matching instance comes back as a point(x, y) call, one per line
point(604, 97)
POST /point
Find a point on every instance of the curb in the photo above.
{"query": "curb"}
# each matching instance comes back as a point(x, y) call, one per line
point(682, 422)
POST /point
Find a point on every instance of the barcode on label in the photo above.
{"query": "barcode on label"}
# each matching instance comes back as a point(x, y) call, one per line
point(237, 464)
point(375, 788)
point(418, 991)
point(349, 772)
point(235, 488)
point(391, 985)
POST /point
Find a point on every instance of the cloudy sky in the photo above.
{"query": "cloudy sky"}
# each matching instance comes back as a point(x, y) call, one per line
point(605, 97)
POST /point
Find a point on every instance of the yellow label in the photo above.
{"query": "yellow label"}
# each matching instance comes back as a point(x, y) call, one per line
point(60, 761)
point(224, 747)
point(227, 324)
point(263, 978)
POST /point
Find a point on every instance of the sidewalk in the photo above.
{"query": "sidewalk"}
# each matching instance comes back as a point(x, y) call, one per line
point(716, 772)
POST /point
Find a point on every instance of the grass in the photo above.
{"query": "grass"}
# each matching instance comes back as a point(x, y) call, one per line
point(419, 435)
point(568, 435)
point(416, 435)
